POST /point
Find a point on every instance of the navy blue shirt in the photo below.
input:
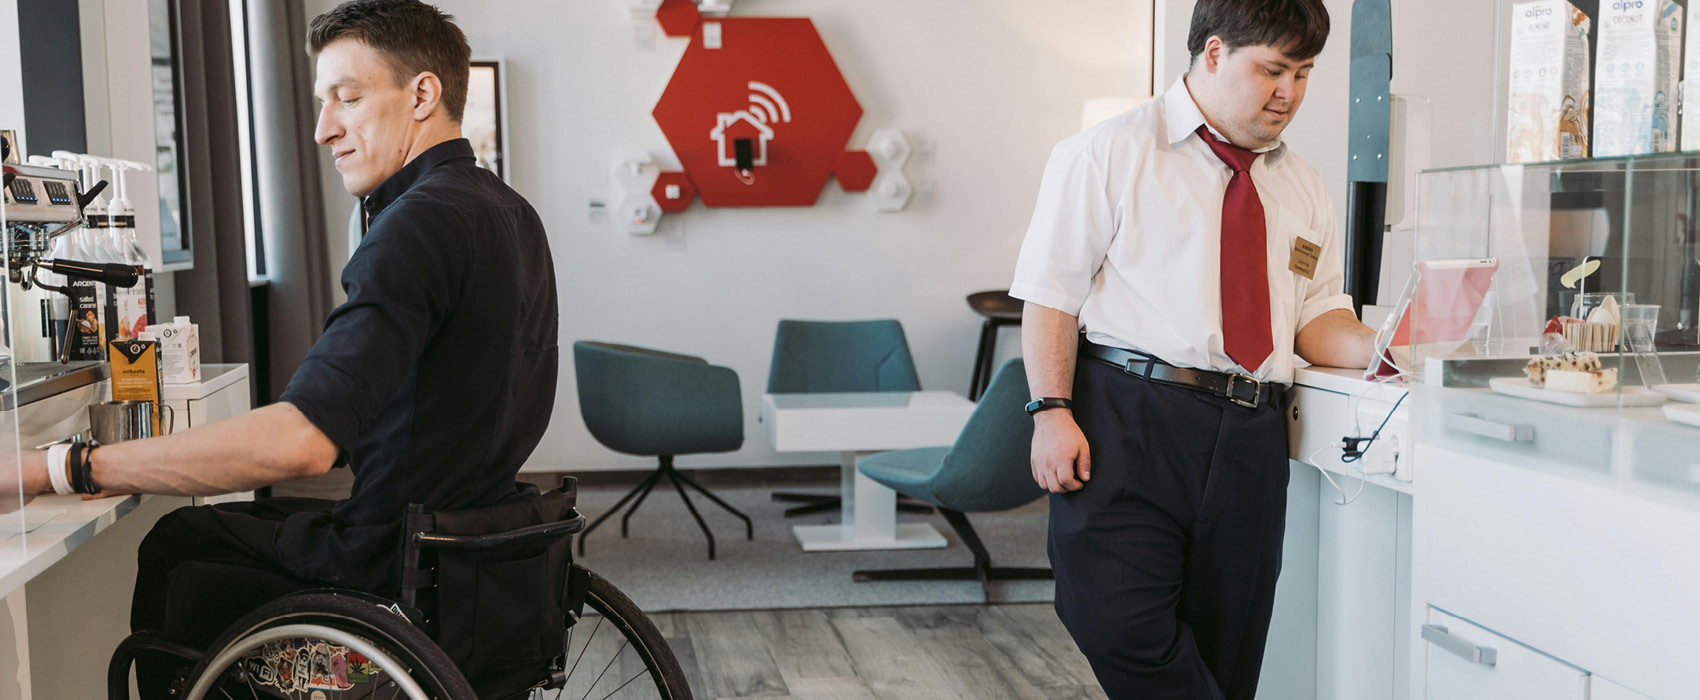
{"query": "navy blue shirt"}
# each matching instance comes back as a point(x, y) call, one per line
point(437, 378)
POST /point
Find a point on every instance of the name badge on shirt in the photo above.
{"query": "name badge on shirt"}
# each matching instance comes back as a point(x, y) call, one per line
point(1305, 255)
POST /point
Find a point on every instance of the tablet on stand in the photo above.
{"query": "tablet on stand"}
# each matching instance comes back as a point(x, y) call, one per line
point(1437, 306)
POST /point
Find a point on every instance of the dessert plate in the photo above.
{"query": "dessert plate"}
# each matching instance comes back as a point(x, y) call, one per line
point(1521, 388)
point(1683, 414)
point(1689, 393)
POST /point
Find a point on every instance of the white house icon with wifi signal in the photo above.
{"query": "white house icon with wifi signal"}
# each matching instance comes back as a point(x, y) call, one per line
point(753, 123)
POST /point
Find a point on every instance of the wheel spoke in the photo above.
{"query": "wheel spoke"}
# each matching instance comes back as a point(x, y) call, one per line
point(623, 685)
point(586, 649)
point(604, 672)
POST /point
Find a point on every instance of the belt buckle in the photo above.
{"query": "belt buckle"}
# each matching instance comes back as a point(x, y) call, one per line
point(1243, 380)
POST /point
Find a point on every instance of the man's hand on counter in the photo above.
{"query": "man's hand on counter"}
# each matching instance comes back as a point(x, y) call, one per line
point(1336, 339)
point(35, 480)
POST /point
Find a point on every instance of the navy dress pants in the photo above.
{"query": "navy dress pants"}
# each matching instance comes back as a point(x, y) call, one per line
point(1166, 560)
point(194, 613)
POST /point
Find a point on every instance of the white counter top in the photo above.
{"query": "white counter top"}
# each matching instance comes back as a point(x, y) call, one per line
point(213, 378)
point(23, 557)
point(1347, 381)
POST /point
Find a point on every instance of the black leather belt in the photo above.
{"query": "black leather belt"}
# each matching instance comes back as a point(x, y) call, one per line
point(1238, 388)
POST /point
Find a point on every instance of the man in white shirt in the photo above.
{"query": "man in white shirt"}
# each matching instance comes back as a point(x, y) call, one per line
point(1197, 256)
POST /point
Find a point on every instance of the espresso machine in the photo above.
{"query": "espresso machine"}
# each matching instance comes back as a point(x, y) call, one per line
point(40, 205)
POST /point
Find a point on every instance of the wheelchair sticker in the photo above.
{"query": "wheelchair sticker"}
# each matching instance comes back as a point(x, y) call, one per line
point(295, 666)
point(319, 668)
point(299, 678)
point(360, 668)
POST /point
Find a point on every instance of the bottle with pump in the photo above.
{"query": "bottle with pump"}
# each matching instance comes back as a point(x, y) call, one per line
point(113, 301)
point(128, 315)
point(88, 297)
point(130, 251)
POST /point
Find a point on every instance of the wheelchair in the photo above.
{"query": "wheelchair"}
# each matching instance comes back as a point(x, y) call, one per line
point(485, 611)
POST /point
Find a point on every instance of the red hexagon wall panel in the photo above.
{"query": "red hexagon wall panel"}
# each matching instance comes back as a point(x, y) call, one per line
point(678, 17)
point(855, 171)
point(673, 192)
point(771, 83)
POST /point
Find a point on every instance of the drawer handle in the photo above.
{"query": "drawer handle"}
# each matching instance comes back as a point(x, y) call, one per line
point(1438, 636)
point(1476, 425)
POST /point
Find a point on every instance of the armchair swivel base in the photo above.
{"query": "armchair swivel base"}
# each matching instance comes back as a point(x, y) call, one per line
point(981, 571)
point(680, 481)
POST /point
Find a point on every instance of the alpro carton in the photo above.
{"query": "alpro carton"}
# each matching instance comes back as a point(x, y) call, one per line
point(1547, 118)
point(1635, 77)
point(1691, 85)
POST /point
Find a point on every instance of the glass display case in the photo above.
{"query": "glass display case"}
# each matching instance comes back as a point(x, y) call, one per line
point(44, 391)
point(12, 514)
point(1600, 252)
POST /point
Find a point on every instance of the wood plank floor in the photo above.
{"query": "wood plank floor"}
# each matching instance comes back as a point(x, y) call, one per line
point(966, 652)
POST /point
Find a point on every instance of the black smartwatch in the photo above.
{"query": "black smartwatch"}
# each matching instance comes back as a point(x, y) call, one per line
point(1047, 403)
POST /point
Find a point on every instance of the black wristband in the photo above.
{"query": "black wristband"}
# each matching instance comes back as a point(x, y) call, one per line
point(87, 471)
point(1048, 403)
point(73, 465)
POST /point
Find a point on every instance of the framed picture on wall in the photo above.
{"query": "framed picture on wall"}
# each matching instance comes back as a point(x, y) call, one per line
point(485, 122)
point(9, 146)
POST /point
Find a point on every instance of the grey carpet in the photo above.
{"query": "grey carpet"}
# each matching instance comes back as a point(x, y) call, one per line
point(664, 564)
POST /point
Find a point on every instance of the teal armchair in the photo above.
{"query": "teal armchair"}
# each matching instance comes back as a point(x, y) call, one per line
point(818, 357)
point(987, 470)
point(649, 402)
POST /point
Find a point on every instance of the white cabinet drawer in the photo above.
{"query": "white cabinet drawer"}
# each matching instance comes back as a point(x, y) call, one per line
point(1517, 431)
point(1602, 689)
point(1572, 565)
point(1467, 662)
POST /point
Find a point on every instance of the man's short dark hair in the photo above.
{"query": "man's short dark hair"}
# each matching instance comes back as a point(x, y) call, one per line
point(413, 38)
point(1299, 28)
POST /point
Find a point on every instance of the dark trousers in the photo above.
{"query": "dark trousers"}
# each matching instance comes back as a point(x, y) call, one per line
point(193, 604)
point(1166, 560)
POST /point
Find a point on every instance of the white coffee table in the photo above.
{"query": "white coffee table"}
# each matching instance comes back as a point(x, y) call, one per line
point(857, 425)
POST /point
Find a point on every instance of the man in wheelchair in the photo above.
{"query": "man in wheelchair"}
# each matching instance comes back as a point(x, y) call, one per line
point(433, 383)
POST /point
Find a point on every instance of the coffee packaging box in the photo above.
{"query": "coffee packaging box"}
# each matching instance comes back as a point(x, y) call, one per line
point(1635, 77)
point(1547, 118)
point(135, 372)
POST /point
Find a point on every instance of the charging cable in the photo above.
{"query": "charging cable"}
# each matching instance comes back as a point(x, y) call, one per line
point(1353, 448)
point(1344, 500)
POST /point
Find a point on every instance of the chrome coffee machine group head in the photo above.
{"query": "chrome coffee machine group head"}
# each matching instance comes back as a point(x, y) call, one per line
point(43, 203)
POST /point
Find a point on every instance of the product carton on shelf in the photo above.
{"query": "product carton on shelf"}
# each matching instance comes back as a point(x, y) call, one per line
point(1635, 77)
point(1691, 84)
point(179, 350)
point(1547, 118)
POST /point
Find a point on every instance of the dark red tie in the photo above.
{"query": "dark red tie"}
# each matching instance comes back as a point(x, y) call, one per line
point(1245, 260)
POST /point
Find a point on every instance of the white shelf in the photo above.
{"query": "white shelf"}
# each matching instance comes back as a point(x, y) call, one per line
point(213, 378)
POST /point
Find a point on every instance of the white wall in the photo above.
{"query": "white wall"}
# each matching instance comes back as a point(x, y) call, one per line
point(11, 73)
point(992, 84)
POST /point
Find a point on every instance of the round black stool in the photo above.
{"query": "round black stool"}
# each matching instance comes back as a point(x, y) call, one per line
point(1000, 309)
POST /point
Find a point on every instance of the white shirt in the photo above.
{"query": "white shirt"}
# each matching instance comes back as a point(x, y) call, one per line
point(1126, 235)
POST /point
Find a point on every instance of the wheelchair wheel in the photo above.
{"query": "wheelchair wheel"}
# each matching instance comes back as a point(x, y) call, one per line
point(318, 645)
point(616, 654)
